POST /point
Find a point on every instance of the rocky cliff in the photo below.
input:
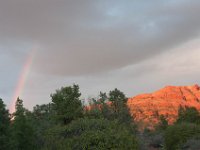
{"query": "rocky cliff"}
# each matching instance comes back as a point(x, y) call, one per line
point(146, 108)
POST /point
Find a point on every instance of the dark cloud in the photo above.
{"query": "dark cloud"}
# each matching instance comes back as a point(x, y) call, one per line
point(101, 45)
point(84, 37)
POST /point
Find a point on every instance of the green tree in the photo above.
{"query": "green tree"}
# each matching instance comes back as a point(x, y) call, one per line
point(54, 138)
point(163, 124)
point(103, 98)
point(67, 104)
point(188, 114)
point(117, 99)
point(22, 131)
point(94, 109)
point(4, 126)
point(41, 120)
point(111, 107)
point(98, 107)
point(119, 106)
point(91, 134)
point(178, 134)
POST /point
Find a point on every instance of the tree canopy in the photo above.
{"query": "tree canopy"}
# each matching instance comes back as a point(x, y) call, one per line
point(67, 104)
point(4, 126)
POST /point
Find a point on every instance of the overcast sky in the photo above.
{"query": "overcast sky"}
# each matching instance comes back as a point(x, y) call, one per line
point(137, 46)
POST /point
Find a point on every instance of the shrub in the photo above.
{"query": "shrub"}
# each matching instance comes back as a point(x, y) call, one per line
point(99, 134)
point(192, 144)
point(178, 134)
point(188, 114)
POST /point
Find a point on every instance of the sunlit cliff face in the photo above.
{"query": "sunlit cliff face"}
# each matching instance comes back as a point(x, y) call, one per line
point(146, 108)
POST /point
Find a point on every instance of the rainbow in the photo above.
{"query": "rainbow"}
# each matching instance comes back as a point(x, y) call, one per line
point(22, 79)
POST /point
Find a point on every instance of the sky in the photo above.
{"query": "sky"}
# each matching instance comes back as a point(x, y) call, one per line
point(135, 46)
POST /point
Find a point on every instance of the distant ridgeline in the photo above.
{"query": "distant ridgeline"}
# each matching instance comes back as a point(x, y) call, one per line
point(146, 108)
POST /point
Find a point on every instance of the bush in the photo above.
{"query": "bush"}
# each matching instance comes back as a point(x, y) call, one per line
point(192, 144)
point(150, 139)
point(188, 114)
point(177, 135)
point(99, 134)
point(54, 139)
point(157, 140)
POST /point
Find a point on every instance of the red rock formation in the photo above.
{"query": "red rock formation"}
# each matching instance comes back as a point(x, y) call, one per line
point(147, 107)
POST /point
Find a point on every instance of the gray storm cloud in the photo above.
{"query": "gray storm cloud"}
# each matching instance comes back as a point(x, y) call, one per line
point(136, 46)
point(88, 37)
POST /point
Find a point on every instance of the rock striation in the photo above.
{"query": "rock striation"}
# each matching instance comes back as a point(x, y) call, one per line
point(146, 108)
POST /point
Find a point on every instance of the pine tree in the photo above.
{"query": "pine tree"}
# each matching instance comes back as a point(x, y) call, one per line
point(118, 99)
point(67, 104)
point(118, 104)
point(22, 130)
point(4, 126)
point(188, 114)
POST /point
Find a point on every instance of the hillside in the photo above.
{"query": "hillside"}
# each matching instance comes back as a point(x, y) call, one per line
point(147, 107)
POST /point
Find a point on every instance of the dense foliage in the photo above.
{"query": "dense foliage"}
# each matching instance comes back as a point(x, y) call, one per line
point(22, 134)
point(188, 114)
point(4, 126)
point(99, 134)
point(66, 123)
point(67, 104)
point(178, 134)
point(105, 123)
point(185, 130)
